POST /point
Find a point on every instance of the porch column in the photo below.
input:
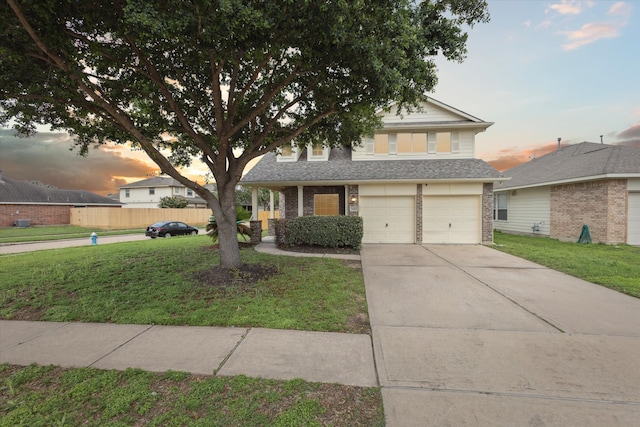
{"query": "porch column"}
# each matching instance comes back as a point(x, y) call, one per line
point(254, 203)
point(300, 200)
point(346, 200)
point(272, 214)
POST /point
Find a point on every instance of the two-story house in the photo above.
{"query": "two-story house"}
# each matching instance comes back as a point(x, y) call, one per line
point(148, 192)
point(415, 181)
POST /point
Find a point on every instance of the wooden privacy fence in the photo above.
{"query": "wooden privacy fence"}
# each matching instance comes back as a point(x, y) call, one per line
point(119, 218)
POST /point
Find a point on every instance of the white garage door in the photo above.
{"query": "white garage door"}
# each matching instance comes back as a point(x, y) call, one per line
point(451, 219)
point(388, 219)
point(633, 221)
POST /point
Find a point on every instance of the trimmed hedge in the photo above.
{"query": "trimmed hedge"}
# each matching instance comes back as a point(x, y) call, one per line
point(326, 231)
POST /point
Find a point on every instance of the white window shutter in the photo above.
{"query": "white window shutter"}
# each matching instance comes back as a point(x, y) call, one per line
point(431, 142)
point(368, 144)
point(455, 142)
point(393, 143)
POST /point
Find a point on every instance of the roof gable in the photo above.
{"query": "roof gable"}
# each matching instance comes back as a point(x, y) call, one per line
point(431, 112)
point(579, 162)
point(155, 181)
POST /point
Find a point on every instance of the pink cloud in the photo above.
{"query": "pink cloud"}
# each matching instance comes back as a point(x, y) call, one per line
point(633, 132)
point(590, 33)
point(620, 9)
point(570, 7)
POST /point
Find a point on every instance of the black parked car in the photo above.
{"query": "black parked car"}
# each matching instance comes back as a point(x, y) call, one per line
point(169, 228)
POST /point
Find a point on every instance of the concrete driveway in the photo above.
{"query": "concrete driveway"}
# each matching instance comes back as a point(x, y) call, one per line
point(468, 335)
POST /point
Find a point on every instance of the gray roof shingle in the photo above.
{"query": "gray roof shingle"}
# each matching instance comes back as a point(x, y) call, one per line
point(155, 181)
point(340, 169)
point(577, 162)
point(16, 192)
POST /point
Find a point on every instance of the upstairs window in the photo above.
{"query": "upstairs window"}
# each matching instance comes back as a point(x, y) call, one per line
point(126, 192)
point(286, 151)
point(409, 143)
point(152, 191)
point(443, 142)
point(189, 192)
point(317, 150)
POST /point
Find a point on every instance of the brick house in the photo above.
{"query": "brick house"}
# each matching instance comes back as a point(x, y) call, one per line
point(415, 181)
point(23, 203)
point(587, 183)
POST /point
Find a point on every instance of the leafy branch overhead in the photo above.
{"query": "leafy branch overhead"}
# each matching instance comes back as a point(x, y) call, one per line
point(221, 81)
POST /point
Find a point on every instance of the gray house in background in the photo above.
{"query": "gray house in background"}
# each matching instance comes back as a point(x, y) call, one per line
point(23, 203)
point(556, 194)
point(415, 181)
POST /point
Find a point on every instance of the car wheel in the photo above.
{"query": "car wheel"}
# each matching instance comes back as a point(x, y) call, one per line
point(194, 232)
point(167, 234)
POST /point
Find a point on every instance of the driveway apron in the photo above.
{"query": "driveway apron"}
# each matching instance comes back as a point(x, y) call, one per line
point(468, 335)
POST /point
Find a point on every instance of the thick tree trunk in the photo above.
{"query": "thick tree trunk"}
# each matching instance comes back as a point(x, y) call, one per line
point(227, 227)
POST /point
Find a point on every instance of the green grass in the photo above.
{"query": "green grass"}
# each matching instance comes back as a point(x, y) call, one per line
point(153, 282)
point(49, 396)
point(614, 266)
point(42, 233)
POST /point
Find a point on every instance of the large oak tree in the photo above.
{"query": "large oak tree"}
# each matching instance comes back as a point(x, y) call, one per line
point(223, 81)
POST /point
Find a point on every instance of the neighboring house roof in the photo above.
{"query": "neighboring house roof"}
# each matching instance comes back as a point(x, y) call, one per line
point(22, 192)
point(156, 181)
point(580, 162)
point(340, 169)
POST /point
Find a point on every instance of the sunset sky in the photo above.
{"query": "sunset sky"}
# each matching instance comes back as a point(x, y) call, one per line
point(540, 70)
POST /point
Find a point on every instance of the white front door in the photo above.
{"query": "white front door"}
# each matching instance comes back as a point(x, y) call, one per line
point(388, 219)
point(451, 219)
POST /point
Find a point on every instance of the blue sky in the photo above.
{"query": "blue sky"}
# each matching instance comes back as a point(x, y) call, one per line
point(547, 69)
point(539, 69)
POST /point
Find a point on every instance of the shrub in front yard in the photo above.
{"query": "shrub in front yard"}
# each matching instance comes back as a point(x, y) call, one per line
point(326, 231)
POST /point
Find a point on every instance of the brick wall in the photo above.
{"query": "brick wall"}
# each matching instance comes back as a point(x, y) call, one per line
point(37, 214)
point(487, 213)
point(419, 214)
point(291, 199)
point(289, 203)
point(602, 205)
point(354, 193)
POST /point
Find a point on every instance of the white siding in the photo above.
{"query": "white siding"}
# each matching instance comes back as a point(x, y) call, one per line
point(387, 190)
point(140, 197)
point(633, 219)
point(524, 208)
point(430, 113)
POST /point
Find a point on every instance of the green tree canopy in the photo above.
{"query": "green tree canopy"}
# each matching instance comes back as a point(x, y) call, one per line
point(222, 81)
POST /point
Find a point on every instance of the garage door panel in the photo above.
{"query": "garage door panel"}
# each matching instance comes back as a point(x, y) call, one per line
point(633, 220)
point(451, 219)
point(388, 219)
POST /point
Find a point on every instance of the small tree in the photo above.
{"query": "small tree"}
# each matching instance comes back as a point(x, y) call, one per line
point(173, 202)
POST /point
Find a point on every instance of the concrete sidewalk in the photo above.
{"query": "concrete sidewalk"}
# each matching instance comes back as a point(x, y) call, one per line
point(265, 353)
point(470, 336)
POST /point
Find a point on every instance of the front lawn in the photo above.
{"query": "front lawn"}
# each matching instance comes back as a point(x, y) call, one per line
point(614, 266)
point(49, 396)
point(169, 282)
point(55, 232)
